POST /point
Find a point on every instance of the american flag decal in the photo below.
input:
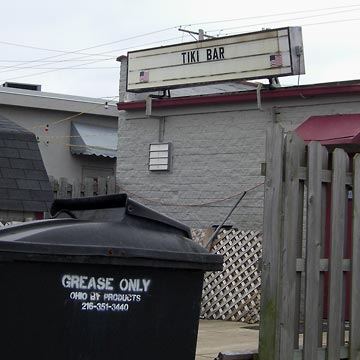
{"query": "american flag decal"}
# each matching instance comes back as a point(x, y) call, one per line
point(144, 76)
point(275, 60)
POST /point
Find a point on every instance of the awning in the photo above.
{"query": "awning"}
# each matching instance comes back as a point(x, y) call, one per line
point(331, 129)
point(93, 140)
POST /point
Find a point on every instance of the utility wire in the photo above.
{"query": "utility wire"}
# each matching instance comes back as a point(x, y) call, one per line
point(79, 146)
point(68, 67)
point(45, 49)
point(78, 68)
point(270, 15)
point(315, 24)
point(49, 61)
point(69, 117)
point(108, 53)
point(104, 44)
point(151, 33)
point(72, 136)
point(166, 29)
point(50, 71)
point(281, 21)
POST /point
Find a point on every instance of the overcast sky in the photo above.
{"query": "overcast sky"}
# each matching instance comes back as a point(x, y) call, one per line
point(71, 47)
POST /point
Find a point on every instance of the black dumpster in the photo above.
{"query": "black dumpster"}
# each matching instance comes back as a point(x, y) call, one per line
point(118, 281)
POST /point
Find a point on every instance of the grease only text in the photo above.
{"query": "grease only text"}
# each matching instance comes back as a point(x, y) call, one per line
point(105, 293)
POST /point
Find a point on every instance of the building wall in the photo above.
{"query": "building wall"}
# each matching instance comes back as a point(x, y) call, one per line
point(58, 160)
point(217, 154)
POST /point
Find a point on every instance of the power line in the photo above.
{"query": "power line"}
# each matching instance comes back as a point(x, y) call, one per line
point(45, 49)
point(79, 146)
point(49, 71)
point(56, 68)
point(232, 28)
point(73, 66)
point(270, 15)
point(332, 22)
point(71, 136)
point(46, 126)
point(63, 52)
point(154, 32)
point(102, 45)
point(281, 21)
point(49, 61)
point(77, 59)
point(19, 67)
point(318, 23)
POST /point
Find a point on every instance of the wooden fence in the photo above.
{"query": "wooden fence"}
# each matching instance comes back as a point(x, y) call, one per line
point(308, 252)
point(234, 293)
point(63, 189)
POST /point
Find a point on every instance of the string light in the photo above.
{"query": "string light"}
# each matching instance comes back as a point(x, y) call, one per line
point(190, 205)
point(46, 126)
point(73, 136)
point(78, 145)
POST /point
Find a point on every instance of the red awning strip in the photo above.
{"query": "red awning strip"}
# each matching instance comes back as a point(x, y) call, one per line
point(331, 129)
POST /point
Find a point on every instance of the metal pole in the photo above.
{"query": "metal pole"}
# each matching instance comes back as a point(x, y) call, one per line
point(216, 232)
point(198, 34)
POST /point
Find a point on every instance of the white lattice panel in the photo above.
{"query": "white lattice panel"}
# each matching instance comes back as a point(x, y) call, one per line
point(234, 293)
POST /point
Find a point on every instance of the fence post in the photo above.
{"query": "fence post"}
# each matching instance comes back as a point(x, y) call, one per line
point(337, 244)
point(291, 246)
point(273, 212)
point(355, 266)
point(315, 243)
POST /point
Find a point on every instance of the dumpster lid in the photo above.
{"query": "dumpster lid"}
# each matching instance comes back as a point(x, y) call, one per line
point(133, 234)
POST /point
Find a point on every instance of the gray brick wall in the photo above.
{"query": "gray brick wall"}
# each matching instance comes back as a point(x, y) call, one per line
point(217, 153)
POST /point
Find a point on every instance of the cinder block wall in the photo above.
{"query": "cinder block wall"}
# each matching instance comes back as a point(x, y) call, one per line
point(217, 151)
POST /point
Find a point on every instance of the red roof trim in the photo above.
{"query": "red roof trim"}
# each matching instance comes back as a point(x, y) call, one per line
point(331, 129)
point(293, 92)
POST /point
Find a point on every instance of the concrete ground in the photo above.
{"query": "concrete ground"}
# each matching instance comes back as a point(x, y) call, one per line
point(216, 336)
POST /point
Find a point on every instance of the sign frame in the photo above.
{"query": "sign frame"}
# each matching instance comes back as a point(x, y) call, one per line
point(256, 55)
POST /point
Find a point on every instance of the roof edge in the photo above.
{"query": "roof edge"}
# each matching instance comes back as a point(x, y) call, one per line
point(57, 102)
point(304, 91)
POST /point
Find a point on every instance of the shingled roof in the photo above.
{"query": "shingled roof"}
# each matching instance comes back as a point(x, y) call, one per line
point(24, 183)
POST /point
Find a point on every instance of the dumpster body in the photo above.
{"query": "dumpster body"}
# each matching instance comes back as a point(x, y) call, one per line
point(91, 290)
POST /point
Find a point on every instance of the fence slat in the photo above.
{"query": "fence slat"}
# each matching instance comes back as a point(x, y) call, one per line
point(317, 160)
point(293, 197)
point(111, 185)
point(76, 189)
point(89, 187)
point(337, 243)
point(64, 189)
point(269, 333)
point(101, 186)
point(355, 266)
